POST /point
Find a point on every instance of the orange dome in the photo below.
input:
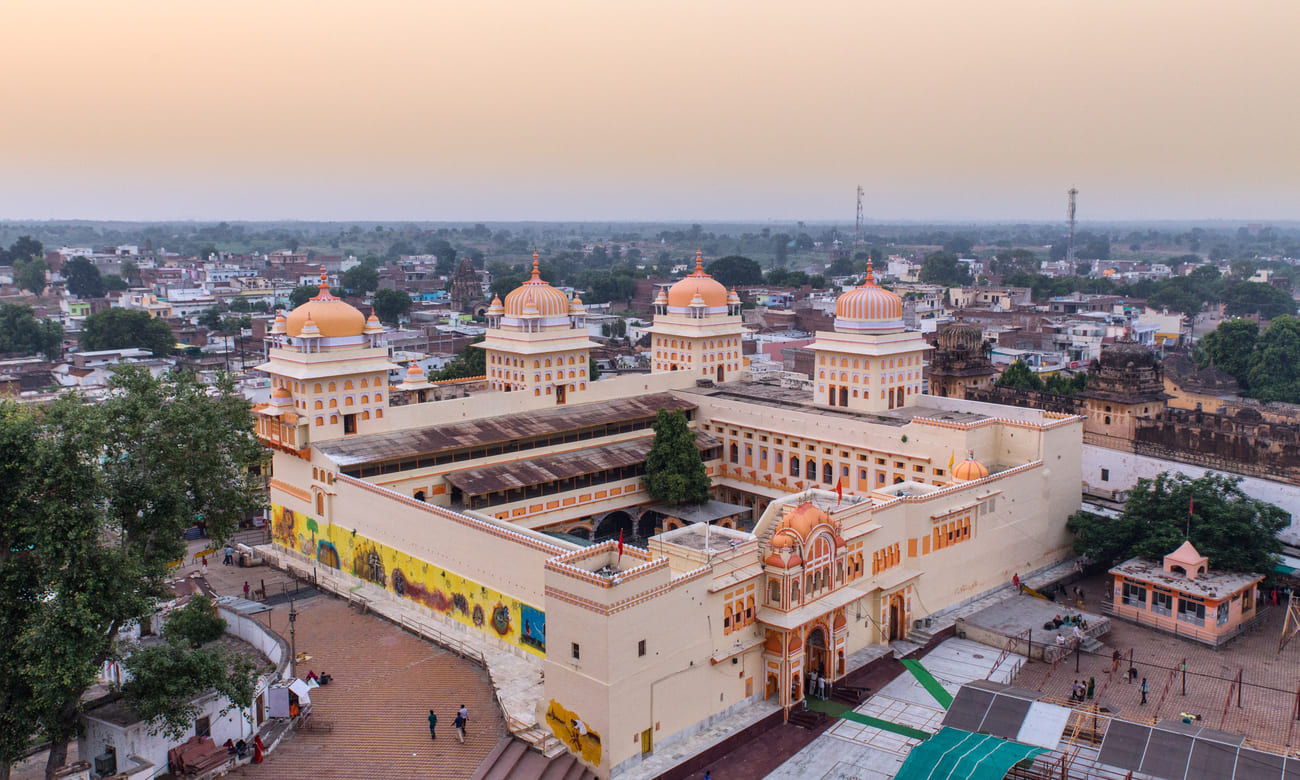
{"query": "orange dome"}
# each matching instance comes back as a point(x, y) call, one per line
point(775, 560)
point(536, 298)
point(782, 540)
point(699, 283)
point(869, 307)
point(801, 521)
point(334, 318)
point(969, 469)
point(281, 392)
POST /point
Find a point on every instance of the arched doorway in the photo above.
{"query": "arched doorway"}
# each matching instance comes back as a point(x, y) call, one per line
point(719, 372)
point(773, 687)
point(645, 527)
point(817, 660)
point(613, 523)
point(897, 618)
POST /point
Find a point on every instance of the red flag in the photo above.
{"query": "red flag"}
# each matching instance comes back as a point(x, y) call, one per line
point(620, 545)
point(1190, 504)
point(839, 490)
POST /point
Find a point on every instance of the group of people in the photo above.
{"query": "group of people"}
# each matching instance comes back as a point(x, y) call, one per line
point(817, 684)
point(1077, 621)
point(462, 717)
point(1082, 691)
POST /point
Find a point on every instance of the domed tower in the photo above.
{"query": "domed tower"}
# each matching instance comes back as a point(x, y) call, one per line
point(697, 328)
point(329, 366)
point(536, 341)
point(960, 360)
point(869, 363)
point(1126, 385)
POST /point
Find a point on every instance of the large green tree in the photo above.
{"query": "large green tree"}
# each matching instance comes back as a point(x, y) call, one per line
point(360, 279)
point(1019, 375)
point(302, 294)
point(95, 503)
point(943, 268)
point(124, 328)
point(1236, 532)
point(1231, 346)
point(165, 677)
point(674, 471)
point(736, 271)
point(21, 333)
point(1274, 373)
point(390, 305)
point(29, 274)
point(1245, 298)
point(83, 279)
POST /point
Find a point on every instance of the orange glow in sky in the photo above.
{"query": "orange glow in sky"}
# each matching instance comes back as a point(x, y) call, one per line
point(708, 109)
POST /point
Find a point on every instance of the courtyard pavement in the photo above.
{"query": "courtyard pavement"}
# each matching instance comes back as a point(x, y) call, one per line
point(851, 750)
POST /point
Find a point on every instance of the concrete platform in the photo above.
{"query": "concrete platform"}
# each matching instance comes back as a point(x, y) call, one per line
point(996, 624)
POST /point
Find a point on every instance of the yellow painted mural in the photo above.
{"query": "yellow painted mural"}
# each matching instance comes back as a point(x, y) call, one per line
point(442, 591)
point(573, 731)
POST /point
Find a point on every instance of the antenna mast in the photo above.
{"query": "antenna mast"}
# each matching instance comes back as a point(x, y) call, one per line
point(1069, 216)
point(857, 231)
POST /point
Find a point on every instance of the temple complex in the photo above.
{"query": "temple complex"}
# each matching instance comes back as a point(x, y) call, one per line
point(845, 510)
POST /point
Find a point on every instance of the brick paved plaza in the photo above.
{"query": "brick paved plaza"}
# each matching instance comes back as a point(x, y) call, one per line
point(385, 682)
point(1268, 698)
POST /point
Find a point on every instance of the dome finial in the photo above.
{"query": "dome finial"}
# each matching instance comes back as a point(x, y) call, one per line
point(699, 261)
point(871, 277)
point(324, 279)
point(537, 274)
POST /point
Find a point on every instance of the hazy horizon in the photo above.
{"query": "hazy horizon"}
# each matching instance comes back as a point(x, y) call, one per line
point(584, 111)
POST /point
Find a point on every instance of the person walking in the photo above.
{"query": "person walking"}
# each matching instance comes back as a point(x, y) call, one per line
point(459, 723)
point(1015, 581)
point(1092, 686)
point(1114, 661)
point(245, 589)
point(230, 556)
point(463, 714)
point(205, 565)
point(1144, 690)
point(433, 722)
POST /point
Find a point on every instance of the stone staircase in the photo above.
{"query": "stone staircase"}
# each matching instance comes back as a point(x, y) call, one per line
point(514, 759)
point(807, 719)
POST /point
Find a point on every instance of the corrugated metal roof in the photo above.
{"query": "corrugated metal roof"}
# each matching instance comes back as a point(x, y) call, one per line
point(354, 450)
point(564, 465)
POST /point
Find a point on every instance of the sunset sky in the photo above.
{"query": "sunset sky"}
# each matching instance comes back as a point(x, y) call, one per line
point(670, 109)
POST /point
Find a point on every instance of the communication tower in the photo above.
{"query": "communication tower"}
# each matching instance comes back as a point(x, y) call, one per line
point(857, 230)
point(1069, 216)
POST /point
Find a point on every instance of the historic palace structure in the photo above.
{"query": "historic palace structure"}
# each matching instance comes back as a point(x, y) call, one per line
point(847, 506)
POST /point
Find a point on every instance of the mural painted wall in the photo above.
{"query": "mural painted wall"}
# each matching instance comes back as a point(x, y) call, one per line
point(573, 731)
point(442, 591)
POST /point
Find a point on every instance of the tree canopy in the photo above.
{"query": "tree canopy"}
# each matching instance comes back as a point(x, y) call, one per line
point(83, 279)
point(1245, 298)
point(469, 362)
point(1019, 375)
point(29, 274)
point(1236, 532)
point(125, 328)
point(1265, 364)
point(77, 565)
point(736, 271)
point(943, 268)
point(360, 279)
point(21, 333)
point(301, 294)
point(674, 470)
point(390, 305)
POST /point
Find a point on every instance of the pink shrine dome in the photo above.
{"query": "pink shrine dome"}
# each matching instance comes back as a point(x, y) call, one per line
point(536, 298)
point(709, 290)
point(869, 307)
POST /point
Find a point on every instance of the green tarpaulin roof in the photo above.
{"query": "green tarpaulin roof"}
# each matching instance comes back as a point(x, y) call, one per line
point(953, 754)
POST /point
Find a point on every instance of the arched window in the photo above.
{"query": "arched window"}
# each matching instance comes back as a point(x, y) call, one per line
point(794, 467)
point(347, 401)
point(811, 470)
point(334, 419)
point(320, 404)
point(347, 384)
point(735, 453)
point(828, 472)
point(365, 399)
point(774, 592)
point(364, 383)
point(320, 421)
point(334, 402)
point(320, 503)
point(333, 387)
point(317, 387)
point(365, 415)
